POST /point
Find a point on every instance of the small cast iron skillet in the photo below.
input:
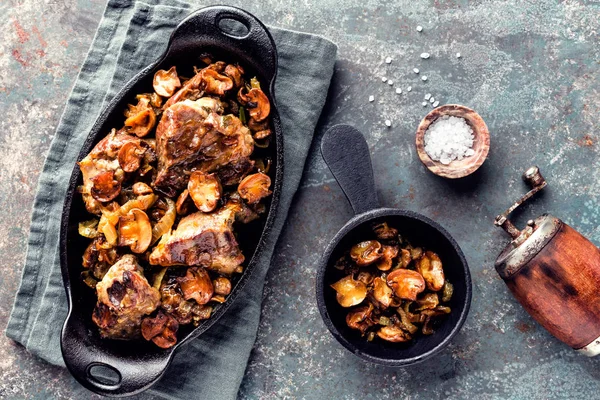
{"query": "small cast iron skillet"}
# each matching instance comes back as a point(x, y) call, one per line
point(121, 368)
point(346, 153)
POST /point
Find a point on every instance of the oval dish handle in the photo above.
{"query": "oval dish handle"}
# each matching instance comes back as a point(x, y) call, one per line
point(346, 153)
point(204, 26)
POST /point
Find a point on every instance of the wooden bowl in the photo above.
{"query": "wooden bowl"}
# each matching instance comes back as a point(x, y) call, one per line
point(481, 145)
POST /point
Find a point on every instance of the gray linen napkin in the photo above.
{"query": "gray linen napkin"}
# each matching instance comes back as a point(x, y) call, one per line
point(130, 36)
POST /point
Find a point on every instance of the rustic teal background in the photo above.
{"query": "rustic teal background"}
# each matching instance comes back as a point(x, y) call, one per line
point(530, 68)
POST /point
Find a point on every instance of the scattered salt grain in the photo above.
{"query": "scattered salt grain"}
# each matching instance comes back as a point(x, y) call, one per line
point(437, 103)
point(424, 103)
point(427, 96)
point(398, 90)
point(388, 123)
point(424, 78)
point(390, 82)
point(371, 99)
point(431, 100)
point(416, 70)
point(388, 60)
point(458, 55)
point(449, 138)
point(425, 55)
point(383, 79)
point(408, 89)
point(419, 28)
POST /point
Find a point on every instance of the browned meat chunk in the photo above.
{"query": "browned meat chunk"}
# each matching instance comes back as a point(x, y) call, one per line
point(102, 174)
point(203, 240)
point(124, 297)
point(193, 135)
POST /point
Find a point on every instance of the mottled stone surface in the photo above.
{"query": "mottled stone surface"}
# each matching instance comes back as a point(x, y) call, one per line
point(531, 69)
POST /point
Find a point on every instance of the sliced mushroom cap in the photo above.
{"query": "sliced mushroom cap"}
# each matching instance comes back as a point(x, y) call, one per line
point(384, 232)
point(162, 330)
point(105, 187)
point(183, 203)
point(141, 189)
point(196, 284)
point(365, 277)
point(430, 266)
point(254, 187)
point(215, 83)
point(392, 333)
point(367, 252)
point(130, 156)
point(386, 260)
point(257, 103)
point(350, 292)
point(428, 302)
point(406, 283)
point(235, 72)
point(141, 118)
point(205, 190)
point(222, 286)
point(165, 82)
point(359, 318)
point(135, 231)
point(405, 258)
point(382, 292)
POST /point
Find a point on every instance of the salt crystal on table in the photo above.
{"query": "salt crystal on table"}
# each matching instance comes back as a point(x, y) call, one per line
point(427, 96)
point(448, 138)
point(419, 28)
point(424, 103)
point(388, 60)
point(424, 78)
point(408, 89)
point(388, 123)
point(425, 55)
point(383, 79)
point(457, 55)
point(431, 100)
point(398, 90)
point(371, 98)
point(437, 103)
point(416, 70)
point(390, 82)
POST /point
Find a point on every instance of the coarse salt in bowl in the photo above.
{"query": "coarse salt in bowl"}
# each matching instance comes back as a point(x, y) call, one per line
point(452, 141)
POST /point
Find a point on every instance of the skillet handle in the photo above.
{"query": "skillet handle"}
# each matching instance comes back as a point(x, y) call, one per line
point(110, 374)
point(346, 153)
point(252, 39)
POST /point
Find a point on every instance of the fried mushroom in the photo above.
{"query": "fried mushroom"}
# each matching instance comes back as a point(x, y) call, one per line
point(166, 82)
point(205, 190)
point(135, 230)
point(257, 103)
point(196, 284)
point(254, 187)
point(406, 283)
point(141, 118)
point(105, 187)
point(430, 266)
point(367, 252)
point(161, 329)
point(350, 292)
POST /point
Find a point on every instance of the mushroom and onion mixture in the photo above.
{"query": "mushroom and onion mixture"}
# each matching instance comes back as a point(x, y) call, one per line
point(165, 191)
point(393, 290)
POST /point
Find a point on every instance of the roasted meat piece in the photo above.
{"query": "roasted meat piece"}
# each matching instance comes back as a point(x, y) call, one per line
point(124, 297)
point(193, 135)
point(201, 240)
point(102, 173)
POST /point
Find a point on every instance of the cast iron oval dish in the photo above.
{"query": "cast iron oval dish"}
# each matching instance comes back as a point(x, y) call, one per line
point(137, 364)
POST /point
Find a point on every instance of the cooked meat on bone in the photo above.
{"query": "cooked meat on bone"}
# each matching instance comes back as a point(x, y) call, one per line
point(124, 297)
point(102, 173)
point(193, 135)
point(201, 240)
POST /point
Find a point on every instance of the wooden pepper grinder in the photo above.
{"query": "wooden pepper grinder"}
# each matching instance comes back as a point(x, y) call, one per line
point(554, 272)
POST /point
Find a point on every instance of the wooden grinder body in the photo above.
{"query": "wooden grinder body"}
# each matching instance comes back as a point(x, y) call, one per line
point(560, 286)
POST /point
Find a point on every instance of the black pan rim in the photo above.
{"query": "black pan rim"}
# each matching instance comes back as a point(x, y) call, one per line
point(95, 134)
point(323, 264)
